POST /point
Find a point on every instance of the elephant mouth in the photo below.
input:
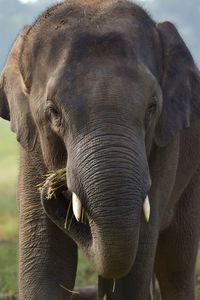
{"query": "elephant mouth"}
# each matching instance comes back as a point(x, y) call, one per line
point(102, 249)
point(60, 208)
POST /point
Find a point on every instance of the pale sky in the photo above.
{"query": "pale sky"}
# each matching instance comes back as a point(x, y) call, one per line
point(26, 1)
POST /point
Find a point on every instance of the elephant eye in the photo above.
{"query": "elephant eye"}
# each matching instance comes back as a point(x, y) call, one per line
point(53, 114)
point(152, 107)
point(150, 112)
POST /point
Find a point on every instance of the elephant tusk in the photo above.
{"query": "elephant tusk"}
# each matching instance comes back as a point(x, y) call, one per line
point(146, 209)
point(77, 207)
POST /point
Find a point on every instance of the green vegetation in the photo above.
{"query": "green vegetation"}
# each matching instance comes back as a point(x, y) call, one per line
point(8, 168)
point(8, 269)
point(8, 215)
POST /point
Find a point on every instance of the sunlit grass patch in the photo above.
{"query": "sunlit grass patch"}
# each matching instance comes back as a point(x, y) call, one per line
point(8, 269)
point(8, 227)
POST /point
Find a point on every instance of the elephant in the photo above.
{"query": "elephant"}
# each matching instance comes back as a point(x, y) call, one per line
point(97, 87)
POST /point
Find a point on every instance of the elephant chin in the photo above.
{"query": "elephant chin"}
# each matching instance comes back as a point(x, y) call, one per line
point(105, 258)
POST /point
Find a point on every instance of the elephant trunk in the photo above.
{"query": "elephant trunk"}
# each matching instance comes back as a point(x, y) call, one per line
point(113, 178)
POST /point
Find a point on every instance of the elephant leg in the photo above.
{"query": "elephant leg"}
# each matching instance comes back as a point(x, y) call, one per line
point(137, 284)
point(178, 246)
point(47, 257)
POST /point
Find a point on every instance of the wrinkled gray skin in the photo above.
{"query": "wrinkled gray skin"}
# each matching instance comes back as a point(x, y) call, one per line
point(101, 89)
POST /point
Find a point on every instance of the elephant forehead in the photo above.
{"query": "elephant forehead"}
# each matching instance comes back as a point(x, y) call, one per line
point(92, 2)
point(95, 82)
point(66, 36)
point(109, 45)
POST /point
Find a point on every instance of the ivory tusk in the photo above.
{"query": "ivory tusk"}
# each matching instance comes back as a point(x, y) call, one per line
point(77, 207)
point(146, 209)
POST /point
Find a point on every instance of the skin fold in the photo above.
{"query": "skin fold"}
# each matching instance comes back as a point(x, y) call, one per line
point(99, 88)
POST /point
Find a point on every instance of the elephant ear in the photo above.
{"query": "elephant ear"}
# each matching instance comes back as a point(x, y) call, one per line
point(14, 97)
point(180, 85)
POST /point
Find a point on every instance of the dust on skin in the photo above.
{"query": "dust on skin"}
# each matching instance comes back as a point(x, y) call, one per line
point(93, 3)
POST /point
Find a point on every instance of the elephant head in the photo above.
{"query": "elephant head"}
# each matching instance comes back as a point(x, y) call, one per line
point(99, 98)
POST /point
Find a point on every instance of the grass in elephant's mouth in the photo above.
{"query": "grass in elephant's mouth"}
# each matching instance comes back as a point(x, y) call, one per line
point(68, 290)
point(55, 183)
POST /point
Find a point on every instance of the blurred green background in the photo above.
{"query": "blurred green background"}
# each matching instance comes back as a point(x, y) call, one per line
point(13, 15)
